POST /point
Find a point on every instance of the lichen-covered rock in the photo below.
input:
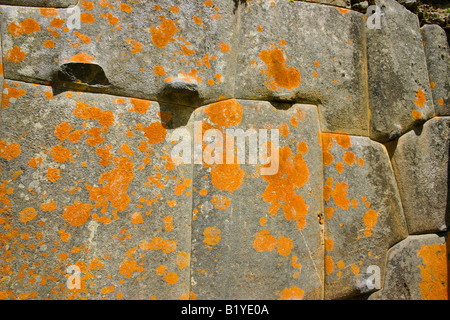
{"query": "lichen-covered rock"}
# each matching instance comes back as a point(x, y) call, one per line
point(287, 53)
point(40, 3)
point(438, 60)
point(420, 160)
point(87, 181)
point(181, 52)
point(338, 3)
point(399, 88)
point(417, 269)
point(258, 236)
point(363, 212)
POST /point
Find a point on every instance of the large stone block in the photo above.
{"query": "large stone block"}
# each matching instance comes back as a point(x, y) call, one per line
point(417, 269)
point(87, 181)
point(257, 236)
point(399, 89)
point(438, 60)
point(363, 212)
point(287, 53)
point(420, 160)
point(181, 52)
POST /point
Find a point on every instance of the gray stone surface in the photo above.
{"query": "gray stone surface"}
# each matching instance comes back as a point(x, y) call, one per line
point(41, 3)
point(259, 236)
point(399, 88)
point(299, 57)
point(420, 160)
point(417, 269)
point(438, 60)
point(87, 180)
point(363, 213)
point(338, 3)
point(180, 52)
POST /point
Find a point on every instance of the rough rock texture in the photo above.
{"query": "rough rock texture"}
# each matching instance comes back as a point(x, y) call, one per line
point(113, 185)
point(420, 160)
point(41, 3)
point(298, 57)
point(399, 88)
point(271, 248)
point(88, 181)
point(438, 60)
point(417, 269)
point(363, 213)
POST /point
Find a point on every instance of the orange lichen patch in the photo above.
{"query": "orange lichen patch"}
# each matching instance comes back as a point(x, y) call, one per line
point(339, 167)
point(53, 174)
point(113, 20)
point(349, 157)
point(87, 18)
point(284, 246)
point(125, 7)
point(65, 236)
point(221, 203)
point(159, 71)
point(224, 113)
point(57, 22)
point(280, 192)
point(60, 154)
point(135, 46)
point(370, 219)
point(340, 195)
point(225, 47)
point(329, 244)
point(155, 132)
point(197, 20)
point(9, 151)
point(75, 136)
point(27, 214)
point(264, 241)
point(183, 260)
point(302, 147)
point(161, 270)
point(283, 129)
point(329, 264)
point(227, 177)
point(85, 112)
point(171, 278)
point(168, 223)
point(50, 206)
point(139, 105)
point(186, 51)
point(292, 293)
point(327, 143)
point(48, 12)
point(62, 130)
point(342, 10)
point(104, 153)
point(279, 75)
point(174, 9)
point(27, 26)
point(82, 37)
point(203, 192)
point(212, 236)
point(360, 162)
point(87, 5)
point(49, 44)
point(329, 212)
point(342, 139)
point(15, 54)
point(340, 264)
point(440, 101)
point(127, 267)
point(115, 186)
point(136, 218)
point(208, 3)
point(12, 92)
point(315, 74)
point(420, 95)
point(416, 114)
point(35, 162)
point(434, 271)
point(157, 243)
point(355, 269)
point(77, 214)
point(82, 57)
point(162, 35)
point(191, 77)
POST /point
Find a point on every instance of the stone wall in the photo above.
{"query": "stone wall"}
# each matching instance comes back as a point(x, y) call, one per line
point(94, 205)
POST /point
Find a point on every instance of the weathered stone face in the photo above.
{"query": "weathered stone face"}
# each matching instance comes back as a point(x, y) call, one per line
point(417, 269)
point(420, 160)
point(363, 213)
point(438, 59)
point(399, 88)
point(258, 236)
point(116, 168)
